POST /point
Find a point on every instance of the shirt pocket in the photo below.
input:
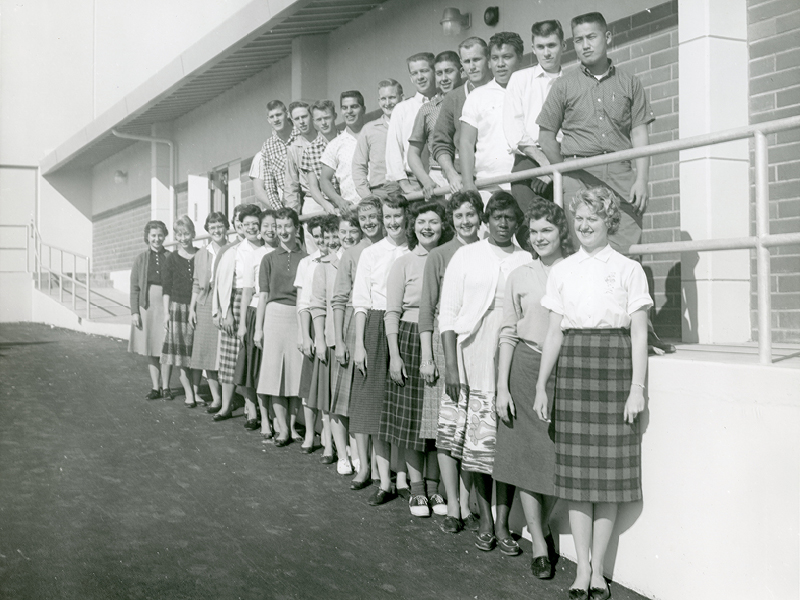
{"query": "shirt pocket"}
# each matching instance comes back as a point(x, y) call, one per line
point(618, 109)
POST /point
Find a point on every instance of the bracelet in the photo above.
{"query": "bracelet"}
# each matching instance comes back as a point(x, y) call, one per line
point(425, 363)
point(641, 385)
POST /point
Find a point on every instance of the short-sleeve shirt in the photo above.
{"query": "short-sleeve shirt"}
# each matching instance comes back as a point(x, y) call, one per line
point(483, 110)
point(257, 257)
point(595, 115)
point(304, 279)
point(277, 274)
point(369, 285)
point(424, 124)
point(338, 155)
point(596, 292)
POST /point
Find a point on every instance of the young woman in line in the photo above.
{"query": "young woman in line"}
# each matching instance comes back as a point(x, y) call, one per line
point(598, 302)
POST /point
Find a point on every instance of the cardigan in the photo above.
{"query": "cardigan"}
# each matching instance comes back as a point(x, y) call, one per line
point(404, 288)
point(346, 275)
point(432, 278)
point(201, 282)
point(140, 291)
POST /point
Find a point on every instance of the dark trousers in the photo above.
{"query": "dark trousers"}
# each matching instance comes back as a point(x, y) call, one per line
point(524, 195)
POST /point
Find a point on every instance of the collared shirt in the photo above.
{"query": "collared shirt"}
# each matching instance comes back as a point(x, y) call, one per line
point(595, 116)
point(369, 159)
point(525, 95)
point(322, 292)
point(244, 273)
point(273, 156)
point(304, 279)
point(310, 163)
point(338, 155)
point(258, 256)
point(369, 287)
point(400, 126)
point(404, 289)
point(277, 274)
point(422, 132)
point(295, 181)
point(524, 317)
point(483, 110)
point(447, 133)
point(600, 291)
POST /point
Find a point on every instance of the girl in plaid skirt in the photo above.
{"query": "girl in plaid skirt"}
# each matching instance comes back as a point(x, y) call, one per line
point(598, 301)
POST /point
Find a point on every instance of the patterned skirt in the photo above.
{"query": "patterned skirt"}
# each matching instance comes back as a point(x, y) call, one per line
point(149, 340)
point(369, 392)
point(432, 396)
point(248, 362)
point(177, 349)
point(342, 375)
point(205, 350)
point(401, 416)
point(598, 454)
point(281, 361)
point(229, 344)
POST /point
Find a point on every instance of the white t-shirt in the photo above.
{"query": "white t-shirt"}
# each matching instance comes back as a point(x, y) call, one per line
point(483, 109)
point(304, 279)
point(338, 155)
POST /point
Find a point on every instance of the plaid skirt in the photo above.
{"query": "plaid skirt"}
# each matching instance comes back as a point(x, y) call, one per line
point(342, 375)
point(369, 392)
point(205, 349)
point(149, 340)
point(401, 416)
point(177, 349)
point(432, 395)
point(248, 362)
point(598, 454)
point(229, 344)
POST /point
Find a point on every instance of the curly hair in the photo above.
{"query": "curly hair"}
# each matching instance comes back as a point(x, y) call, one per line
point(154, 225)
point(602, 202)
point(288, 213)
point(502, 200)
point(349, 217)
point(372, 201)
point(416, 210)
point(216, 217)
point(464, 197)
point(553, 213)
point(330, 224)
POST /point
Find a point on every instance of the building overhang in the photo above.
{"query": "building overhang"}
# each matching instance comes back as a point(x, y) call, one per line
point(254, 39)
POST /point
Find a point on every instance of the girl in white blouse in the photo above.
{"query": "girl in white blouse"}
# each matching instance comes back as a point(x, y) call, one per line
point(598, 301)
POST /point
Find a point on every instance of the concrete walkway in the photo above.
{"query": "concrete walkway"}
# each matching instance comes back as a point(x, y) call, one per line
point(104, 495)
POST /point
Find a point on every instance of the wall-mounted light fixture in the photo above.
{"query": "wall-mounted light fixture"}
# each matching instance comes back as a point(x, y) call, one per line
point(120, 177)
point(453, 22)
point(491, 16)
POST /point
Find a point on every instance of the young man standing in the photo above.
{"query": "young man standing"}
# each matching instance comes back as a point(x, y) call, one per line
point(525, 95)
point(474, 55)
point(269, 165)
point(447, 73)
point(324, 114)
point(337, 159)
point(420, 69)
point(369, 160)
point(295, 186)
point(483, 146)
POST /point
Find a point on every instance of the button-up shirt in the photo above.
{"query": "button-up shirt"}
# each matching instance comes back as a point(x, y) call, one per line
point(369, 287)
point(369, 159)
point(525, 95)
point(483, 110)
point(273, 157)
point(304, 279)
point(310, 164)
point(338, 155)
point(400, 126)
point(277, 274)
point(595, 116)
point(595, 292)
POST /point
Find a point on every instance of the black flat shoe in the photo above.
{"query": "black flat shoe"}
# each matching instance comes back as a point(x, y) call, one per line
point(222, 416)
point(380, 496)
point(154, 394)
point(166, 394)
point(541, 567)
point(190, 404)
point(252, 424)
point(360, 485)
point(597, 593)
point(310, 450)
point(575, 594)
point(328, 460)
point(283, 443)
point(212, 410)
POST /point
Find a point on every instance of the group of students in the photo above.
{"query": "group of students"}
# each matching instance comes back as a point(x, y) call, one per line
point(443, 345)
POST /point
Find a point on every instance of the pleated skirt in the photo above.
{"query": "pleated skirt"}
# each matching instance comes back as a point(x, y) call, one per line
point(342, 375)
point(369, 391)
point(229, 344)
point(179, 337)
point(319, 393)
point(281, 361)
point(248, 362)
point(432, 395)
point(598, 454)
point(205, 350)
point(149, 340)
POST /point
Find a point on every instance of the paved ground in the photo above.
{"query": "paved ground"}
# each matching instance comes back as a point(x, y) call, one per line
point(104, 495)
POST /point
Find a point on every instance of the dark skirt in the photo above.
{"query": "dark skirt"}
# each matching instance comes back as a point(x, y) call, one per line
point(177, 349)
point(229, 344)
point(319, 394)
point(598, 454)
point(369, 392)
point(205, 350)
point(342, 376)
point(248, 362)
point(525, 455)
point(305, 375)
point(149, 340)
point(401, 416)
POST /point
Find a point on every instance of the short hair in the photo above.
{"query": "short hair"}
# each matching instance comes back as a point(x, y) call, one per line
point(154, 225)
point(314, 222)
point(465, 196)
point(288, 213)
point(602, 202)
point(553, 213)
point(273, 104)
point(426, 56)
point(418, 208)
point(590, 17)
point(473, 41)
point(394, 200)
point(184, 223)
point(216, 217)
point(447, 56)
point(269, 212)
point(548, 28)
point(384, 83)
point(349, 217)
point(330, 224)
point(502, 200)
point(298, 104)
point(371, 201)
point(250, 210)
point(353, 94)
point(508, 38)
point(324, 106)
point(238, 209)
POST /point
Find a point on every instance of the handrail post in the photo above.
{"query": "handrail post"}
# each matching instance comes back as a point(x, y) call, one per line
point(74, 278)
point(61, 276)
point(763, 274)
point(558, 188)
point(88, 289)
point(49, 270)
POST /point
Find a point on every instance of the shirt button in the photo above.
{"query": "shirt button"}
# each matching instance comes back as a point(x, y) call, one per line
point(599, 99)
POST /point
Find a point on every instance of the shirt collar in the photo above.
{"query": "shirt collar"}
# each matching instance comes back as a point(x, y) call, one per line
point(603, 256)
point(610, 73)
point(419, 250)
point(538, 71)
point(281, 250)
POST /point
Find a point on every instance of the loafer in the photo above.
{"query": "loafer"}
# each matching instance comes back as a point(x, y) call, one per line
point(252, 424)
point(404, 493)
point(166, 394)
point(437, 504)
point(380, 496)
point(472, 522)
point(451, 525)
point(597, 593)
point(190, 404)
point(153, 394)
point(222, 416)
point(576, 594)
point(212, 410)
point(509, 546)
point(541, 567)
point(360, 485)
point(310, 450)
point(328, 460)
point(485, 542)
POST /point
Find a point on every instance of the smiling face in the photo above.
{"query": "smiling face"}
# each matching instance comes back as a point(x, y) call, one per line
point(590, 227)
point(155, 238)
point(349, 235)
point(548, 52)
point(388, 97)
point(217, 232)
point(448, 76)
point(428, 229)
point(323, 121)
point(466, 222)
point(319, 239)
point(421, 73)
point(331, 239)
point(475, 63)
point(277, 118)
point(184, 237)
point(352, 112)
point(287, 231)
point(251, 228)
point(545, 237)
point(504, 60)
point(237, 225)
point(369, 218)
point(394, 220)
point(301, 119)
point(591, 42)
point(269, 231)
point(503, 225)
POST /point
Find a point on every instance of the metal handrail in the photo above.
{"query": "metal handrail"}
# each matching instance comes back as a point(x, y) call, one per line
point(38, 245)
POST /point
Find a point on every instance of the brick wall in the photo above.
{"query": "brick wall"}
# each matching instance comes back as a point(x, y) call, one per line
point(773, 30)
point(117, 236)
